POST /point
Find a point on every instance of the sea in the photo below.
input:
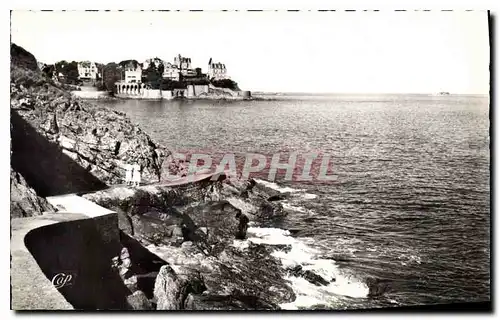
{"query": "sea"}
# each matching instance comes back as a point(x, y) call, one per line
point(408, 210)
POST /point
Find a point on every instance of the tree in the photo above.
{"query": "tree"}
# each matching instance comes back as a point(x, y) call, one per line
point(128, 63)
point(100, 69)
point(226, 83)
point(49, 70)
point(112, 73)
point(153, 75)
point(69, 70)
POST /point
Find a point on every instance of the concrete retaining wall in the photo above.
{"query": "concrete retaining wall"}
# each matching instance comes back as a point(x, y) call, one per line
point(66, 244)
point(82, 249)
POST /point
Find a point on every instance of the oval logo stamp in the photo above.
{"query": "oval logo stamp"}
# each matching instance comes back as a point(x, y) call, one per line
point(61, 279)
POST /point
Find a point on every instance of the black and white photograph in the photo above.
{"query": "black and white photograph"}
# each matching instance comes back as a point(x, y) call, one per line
point(244, 160)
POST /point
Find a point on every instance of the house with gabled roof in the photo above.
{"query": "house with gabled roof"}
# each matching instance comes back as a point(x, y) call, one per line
point(216, 70)
point(132, 70)
point(87, 70)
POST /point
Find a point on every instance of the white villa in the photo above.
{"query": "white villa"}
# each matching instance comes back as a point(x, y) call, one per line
point(87, 70)
point(156, 61)
point(184, 65)
point(216, 70)
point(133, 73)
point(171, 72)
point(182, 62)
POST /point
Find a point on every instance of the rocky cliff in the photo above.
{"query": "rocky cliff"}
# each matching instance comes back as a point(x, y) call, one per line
point(61, 144)
point(21, 58)
point(24, 202)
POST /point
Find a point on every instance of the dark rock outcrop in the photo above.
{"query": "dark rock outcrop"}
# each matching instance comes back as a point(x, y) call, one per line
point(139, 301)
point(250, 279)
point(22, 58)
point(251, 272)
point(377, 287)
point(221, 223)
point(194, 228)
point(172, 289)
point(276, 197)
point(310, 276)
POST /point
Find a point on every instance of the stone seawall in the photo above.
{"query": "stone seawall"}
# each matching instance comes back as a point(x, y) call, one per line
point(148, 94)
point(91, 94)
point(201, 92)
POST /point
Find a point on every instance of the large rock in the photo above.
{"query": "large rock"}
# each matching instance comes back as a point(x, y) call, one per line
point(139, 301)
point(221, 222)
point(147, 199)
point(24, 201)
point(151, 229)
point(22, 58)
point(251, 272)
point(172, 289)
point(310, 276)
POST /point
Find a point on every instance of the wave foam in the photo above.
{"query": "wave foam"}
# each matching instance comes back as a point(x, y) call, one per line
point(309, 196)
point(288, 206)
point(303, 254)
point(277, 187)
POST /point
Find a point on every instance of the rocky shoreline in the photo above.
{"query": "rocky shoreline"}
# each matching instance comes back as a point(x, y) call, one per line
point(194, 231)
point(198, 234)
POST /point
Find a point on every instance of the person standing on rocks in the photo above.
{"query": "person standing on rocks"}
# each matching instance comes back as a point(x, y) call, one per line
point(128, 174)
point(136, 175)
point(158, 161)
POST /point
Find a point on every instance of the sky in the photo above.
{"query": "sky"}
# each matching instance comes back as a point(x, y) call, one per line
point(328, 52)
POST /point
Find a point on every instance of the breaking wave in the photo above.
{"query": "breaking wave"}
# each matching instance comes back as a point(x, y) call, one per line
point(288, 206)
point(275, 186)
point(296, 192)
point(302, 253)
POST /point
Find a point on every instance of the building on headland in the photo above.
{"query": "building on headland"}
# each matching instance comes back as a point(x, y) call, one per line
point(180, 80)
point(171, 72)
point(182, 62)
point(184, 65)
point(87, 71)
point(188, 73)
point(157, 62)
point(133, 72)
point(216, 70)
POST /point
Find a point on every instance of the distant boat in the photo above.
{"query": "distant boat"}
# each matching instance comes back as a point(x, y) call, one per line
point(443, 93)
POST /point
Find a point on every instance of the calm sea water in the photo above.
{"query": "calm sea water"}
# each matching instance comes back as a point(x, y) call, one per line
point(410, 205)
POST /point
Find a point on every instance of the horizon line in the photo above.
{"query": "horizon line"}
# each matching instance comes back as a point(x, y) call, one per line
point(373, 93)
